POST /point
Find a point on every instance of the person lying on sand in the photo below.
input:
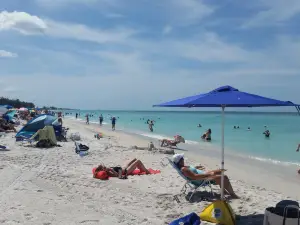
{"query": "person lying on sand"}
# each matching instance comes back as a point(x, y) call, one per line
point(172, 143)
point(7, 127)
point(201, 175)
point(122, 172)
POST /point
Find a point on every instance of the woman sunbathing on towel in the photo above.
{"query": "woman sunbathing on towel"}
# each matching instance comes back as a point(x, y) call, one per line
point(194, 173)
point(123, 172)
point(172, 143)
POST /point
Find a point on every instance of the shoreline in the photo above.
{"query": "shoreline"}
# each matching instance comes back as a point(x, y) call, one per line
point(194, 145)
point(209, 155)
point(214, 146)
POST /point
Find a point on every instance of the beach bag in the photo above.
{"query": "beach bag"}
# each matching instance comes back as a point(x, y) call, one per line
point(45, 143)
point(286, 212)
point(219, 212)
point(75, 136)
point(191, 219)
point(80, 148)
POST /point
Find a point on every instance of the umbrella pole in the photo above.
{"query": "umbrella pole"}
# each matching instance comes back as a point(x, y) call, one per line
point(222, 162)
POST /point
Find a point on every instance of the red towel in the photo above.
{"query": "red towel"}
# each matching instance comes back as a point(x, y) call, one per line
point(137, 172)
point(103, 175)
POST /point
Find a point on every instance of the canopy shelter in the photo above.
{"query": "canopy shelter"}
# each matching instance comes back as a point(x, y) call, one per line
point(226, 96)
point(36, 124)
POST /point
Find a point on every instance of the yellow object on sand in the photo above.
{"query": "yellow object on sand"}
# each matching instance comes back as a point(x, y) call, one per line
point(219, 212)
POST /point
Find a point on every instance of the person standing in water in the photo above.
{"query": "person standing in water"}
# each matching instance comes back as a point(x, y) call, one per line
point(298, 151)
point(101, 119)
point(151, 124)
point(87, 119)
point(76, 115)
point(113, 123)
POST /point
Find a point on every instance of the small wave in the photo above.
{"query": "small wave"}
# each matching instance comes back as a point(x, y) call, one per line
point(274, 161)
point(154, 136)
point(191, 142)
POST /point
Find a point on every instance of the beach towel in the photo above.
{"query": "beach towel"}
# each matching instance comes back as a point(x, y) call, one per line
point(191, 219)
point(138, 172)
point(102, 175)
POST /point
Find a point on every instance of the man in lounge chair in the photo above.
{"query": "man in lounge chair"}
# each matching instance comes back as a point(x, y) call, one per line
point(172, 143)
point(194, 173)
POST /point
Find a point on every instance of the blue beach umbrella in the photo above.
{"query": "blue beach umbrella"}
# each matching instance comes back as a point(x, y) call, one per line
point(226, 96)
point(7, 106)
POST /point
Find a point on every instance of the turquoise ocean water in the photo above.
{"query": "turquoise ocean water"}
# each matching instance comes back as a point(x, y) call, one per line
point(279, 148)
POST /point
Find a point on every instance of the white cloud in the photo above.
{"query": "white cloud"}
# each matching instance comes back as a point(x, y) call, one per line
point(167, 29)
point(6, 54)
point(275, 12)
point(186, 12)
point(60, 3)
point(210, 48)
point(175, 12)
point(21, 22)
point(82, 32)
point(32, 25)
point(114, 15)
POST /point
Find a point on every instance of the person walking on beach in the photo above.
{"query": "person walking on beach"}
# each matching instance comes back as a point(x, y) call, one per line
point(298, 151)
point(76, 115)
point(113, 123)
point(87, 119)
point(101, 119)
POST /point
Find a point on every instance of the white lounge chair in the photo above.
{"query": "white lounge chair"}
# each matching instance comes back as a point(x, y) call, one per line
point(194, 185)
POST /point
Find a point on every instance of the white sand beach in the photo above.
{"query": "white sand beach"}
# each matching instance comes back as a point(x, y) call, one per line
point(55, 186)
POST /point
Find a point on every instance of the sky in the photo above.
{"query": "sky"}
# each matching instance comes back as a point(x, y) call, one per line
point(131, 54)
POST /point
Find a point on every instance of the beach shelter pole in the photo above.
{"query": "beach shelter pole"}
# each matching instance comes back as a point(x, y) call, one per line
point(223, 152)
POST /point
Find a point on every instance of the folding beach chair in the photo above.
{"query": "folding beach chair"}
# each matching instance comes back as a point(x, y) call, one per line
point(194, 185)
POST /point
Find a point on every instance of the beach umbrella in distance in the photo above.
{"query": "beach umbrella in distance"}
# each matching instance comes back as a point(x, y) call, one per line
point(7, 106)
point(23, 109)
point(223, 97)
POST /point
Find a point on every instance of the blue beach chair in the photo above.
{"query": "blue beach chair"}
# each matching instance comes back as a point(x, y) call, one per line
point(194, 185)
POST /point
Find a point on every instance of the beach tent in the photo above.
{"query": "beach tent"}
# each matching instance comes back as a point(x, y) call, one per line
point(6, 106)
point(226, 96)
point(9, 116)
point(36, 124)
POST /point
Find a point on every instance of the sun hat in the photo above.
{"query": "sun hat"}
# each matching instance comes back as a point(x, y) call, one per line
point(177, 157)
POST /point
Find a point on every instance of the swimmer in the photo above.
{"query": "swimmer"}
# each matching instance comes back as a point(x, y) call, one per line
point(234, 127)
point(267, 133)
point(207, 135)
point(199, 125)
point(249, 129)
